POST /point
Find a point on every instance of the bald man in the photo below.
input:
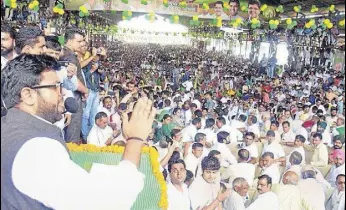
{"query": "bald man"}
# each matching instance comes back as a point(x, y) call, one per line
point(289, 194)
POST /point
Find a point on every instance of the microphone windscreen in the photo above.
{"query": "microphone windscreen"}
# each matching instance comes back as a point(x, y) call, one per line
point(71, 105)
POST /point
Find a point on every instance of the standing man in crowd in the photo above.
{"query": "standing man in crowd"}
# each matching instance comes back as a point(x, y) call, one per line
point(74, 39)
point(8, 35)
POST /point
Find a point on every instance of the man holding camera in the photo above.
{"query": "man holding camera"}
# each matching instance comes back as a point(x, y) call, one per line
point(93, 76)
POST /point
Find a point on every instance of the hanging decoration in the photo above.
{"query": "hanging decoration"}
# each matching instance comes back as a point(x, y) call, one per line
point(174, 19)
point(273, 24)
point(125, 1)
point(226, 7)
point(194, 21)
point(83, 11)
point(59, 9)
point(34, 6)
point(151, 16)
point(279, 9)
point(327, 24)
point(61, 40)
point(205, 6)
point(127, 15)
point(144, 2)
point(264, 7)
point(165, 3)
point(236, 23)
point(311, 24)
point(314, 9)
point(342, 23)
point(11, 3)
point(255, 23)
point(291, 24)
point(269, 12)
point(332, 8)
point(183, 4)
point(297, 9)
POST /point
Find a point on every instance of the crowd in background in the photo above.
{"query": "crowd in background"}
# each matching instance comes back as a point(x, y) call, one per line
point(231, 134)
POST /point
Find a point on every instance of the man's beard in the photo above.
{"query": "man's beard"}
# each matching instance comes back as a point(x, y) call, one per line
point(5, 52)
point(48, 111)
point(337, 147)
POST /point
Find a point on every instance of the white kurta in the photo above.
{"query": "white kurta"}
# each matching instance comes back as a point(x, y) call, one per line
point(234, 202)
point(244, 170)
point(202, 193)
point(267, 201)
point(313, 193)
point(178, 200)
point(274, 148)
point(98, 136)
point(274, 172)
point(334, 172)
point(336, 201)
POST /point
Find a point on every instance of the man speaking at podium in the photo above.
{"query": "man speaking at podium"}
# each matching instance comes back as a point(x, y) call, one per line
point(36, 169)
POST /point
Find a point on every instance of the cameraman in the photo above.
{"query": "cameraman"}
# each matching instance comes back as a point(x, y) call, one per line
point(93, 76)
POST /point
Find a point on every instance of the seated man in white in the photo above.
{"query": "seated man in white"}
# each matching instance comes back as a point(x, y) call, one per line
point(266, 200)
point(320, 151)
point(209, 132)
point(199, 138)
point(223, 139)
point(107, 107)
point(251, 146)
point(178, 194)
point(270, 168)
point(101, 134)
point(193, 160)
point(238, 196)
point(235, 134)
point(243, 169)
point(295, 164)
point(298, 147)
point(337, 200)
point(338, 166)
point(288, 193)
point(253, 126)
point(274, 147)
point(204, 190)
point(287, 136)
point(312, 190)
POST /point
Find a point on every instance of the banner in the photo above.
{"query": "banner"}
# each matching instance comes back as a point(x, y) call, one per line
point(204, 9)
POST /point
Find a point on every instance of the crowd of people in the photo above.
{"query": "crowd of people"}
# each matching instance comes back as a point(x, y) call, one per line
point(231, 134)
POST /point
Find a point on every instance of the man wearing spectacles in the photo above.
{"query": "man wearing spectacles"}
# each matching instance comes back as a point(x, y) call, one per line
point(37, 172)
point(337, 200)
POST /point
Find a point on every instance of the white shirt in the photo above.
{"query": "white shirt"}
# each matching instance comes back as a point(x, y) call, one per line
point(187, 116)
point(192, 163)
point(253, 150)
point(289, 196)
point(178, 200)
point(337, 201)
point(199, 105)
point(274, 172)
point(98, 136)
point(274, 148)
point(189, 133)
point(313, 193)
point(115, 118)
point(267, 201)
point(334, 172)
point(211, 136)
point(226, 154)
point(62, 185)
point(290, 136)
point(234, 202)
point(202, 193)
point(254, 129)
point(244, 170)
point(301, 150)
point(105, 110)
point(234, 134)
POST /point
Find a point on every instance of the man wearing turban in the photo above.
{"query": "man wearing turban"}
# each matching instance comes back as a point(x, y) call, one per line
point(321, 128)
point(338, 166)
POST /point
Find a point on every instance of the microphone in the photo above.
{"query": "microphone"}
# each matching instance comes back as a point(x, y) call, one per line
point(71, 105)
